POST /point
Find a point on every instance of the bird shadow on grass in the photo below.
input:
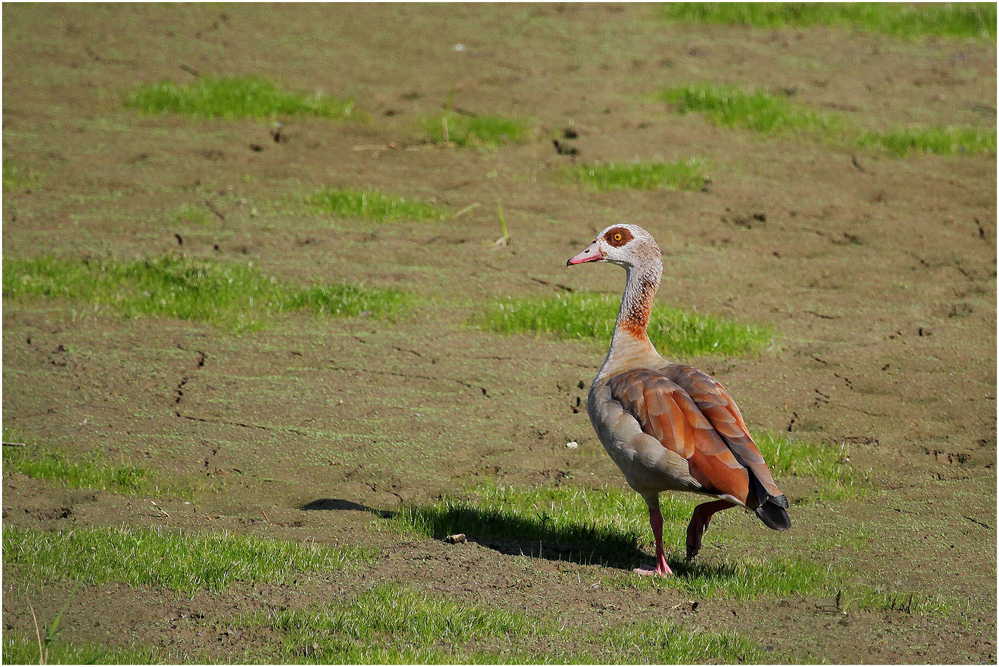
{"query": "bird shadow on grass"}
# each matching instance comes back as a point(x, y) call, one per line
point(329, 504)
point(533, 536)
point(542, 537)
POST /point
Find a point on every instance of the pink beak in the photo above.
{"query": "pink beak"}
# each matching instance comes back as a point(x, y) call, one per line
point(591, 254)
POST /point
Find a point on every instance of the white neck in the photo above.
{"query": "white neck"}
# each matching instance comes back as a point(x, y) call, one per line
point(630, 346)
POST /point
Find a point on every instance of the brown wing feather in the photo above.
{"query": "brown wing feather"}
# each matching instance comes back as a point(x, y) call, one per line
point(718, 406)
point(666, 412)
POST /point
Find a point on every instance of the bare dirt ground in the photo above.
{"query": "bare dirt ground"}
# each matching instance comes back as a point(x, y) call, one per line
point(878, 274)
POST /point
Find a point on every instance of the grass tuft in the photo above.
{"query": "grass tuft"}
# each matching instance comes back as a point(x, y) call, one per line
point(681, 175)
point(936, 140)
point(875, 597)
point(17, 176)
point(180, 562)
point(19, 649)
point(763, 112)
point(93, 472)
point(387, 624)
point(826, 464)
point(233, 296)
point(188, 214)
point(603, 525)
point(371, 205)
point(592, 316)
point(904, 20)
point(607, 526)
point(751, 110)
point(667, 643)
point(744, 577)
point(485, 131)
point(229, 98)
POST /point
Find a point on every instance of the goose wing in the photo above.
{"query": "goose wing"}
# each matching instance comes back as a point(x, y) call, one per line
point(719, 408)
point(665, 411)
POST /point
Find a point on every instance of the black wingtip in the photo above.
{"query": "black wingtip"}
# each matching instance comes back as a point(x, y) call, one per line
point(773, 514)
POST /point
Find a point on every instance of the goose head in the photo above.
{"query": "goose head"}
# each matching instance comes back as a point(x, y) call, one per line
point(629, 246)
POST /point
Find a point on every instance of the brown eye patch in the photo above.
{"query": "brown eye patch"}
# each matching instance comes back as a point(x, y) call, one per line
point(618, 236)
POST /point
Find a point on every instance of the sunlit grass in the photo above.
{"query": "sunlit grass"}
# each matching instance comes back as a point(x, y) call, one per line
point(389, 624)
point(20, 649)
point(883, 599)
point(936, 140)
point(605, 526)
point(904, 20)
point(673, 331)
point(609, 526)
point(593, 524)
point(235, 97)
point(230, 295)
point(746, 576)
point(372, 205)
point(826, 464)
point(759, 111)
point(485, 131)
point(656, 641)
point(182, 562)
point(770, 114)
point(90, 472)
point(680, 175)
point(741, 575)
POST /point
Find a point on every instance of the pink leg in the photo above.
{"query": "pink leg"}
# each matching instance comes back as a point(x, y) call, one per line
point(699, 524)
point(656, 521)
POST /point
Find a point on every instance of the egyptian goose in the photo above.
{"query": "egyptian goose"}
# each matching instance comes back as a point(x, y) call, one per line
point(670, 427)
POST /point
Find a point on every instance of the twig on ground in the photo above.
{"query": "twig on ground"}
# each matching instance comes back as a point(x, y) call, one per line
point(38, 633)
point(466, 210)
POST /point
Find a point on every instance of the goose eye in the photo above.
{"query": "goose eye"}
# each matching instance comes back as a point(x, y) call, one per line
point(617, 236)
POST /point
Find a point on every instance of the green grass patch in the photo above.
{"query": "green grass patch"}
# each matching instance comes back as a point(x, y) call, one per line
point(229, 98)
point(770, 114)
point(903, 20)
point(673, 331)
point(181, 562)
point(93, 471)
point(827, 465)
point(17, 177)
point(935, 140)
point(19, 649)
point(881, 599)
point(752, 576)
point(188, 214)
point(664, 642)
point(610, 527)
point(485, 131)
point(759, 111)
point(742, 576)
point(605, 526)
point(371, 205)
point(680, 175)
point(229, 295)
point(388, 624)
point(591, 525)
